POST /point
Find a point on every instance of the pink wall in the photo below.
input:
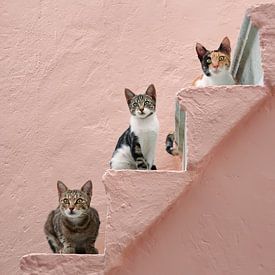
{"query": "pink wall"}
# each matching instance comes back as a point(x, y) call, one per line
point(64, 68)
point(225, 223)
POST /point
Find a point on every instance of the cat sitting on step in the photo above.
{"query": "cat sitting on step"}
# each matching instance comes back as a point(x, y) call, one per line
point(72, 228)
point(136, 147)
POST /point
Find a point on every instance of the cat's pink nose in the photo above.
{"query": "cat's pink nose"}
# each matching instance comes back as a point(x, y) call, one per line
point(71, 209)
point(215, 66)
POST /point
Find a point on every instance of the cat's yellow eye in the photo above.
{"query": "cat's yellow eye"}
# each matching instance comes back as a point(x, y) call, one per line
point(66, 201)
point(221, 58)
point(208, 60)
point(79, 201)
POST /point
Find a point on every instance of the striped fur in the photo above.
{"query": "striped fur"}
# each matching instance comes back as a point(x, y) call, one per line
point(73, 226)
point(136, 147)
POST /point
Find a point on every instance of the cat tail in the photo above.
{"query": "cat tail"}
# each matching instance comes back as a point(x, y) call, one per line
point(170, 144)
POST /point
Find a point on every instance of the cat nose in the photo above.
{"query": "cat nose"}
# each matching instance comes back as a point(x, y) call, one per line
point(215, 66)
point(71, 209)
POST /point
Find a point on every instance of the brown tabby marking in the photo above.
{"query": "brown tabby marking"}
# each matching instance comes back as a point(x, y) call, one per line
point(73, 226)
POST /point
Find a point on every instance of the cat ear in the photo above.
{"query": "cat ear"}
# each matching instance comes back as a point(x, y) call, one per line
point(88, 188)
point(129, 95)
point(61, 187)
point(201, 51)
point(151, 91)
point(225, 46)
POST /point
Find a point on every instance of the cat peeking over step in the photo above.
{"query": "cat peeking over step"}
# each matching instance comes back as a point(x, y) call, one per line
point(136, 147)
point(72, 228)
point(216, 71)
point(215, 65)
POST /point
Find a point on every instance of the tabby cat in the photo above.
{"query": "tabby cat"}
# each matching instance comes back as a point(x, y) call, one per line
point(136, 147)
point(215, 66)
point(72, 228)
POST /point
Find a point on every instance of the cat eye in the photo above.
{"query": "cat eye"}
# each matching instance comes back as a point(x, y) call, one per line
point(221, 58)
point(146, 102)
point(66, 201)
point(79, 201)
point(208, 60)
point(134, 104)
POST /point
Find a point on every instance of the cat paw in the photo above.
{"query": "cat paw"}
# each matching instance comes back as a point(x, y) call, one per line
point(143, 167)
point(92, 250)
point(142, 164)
point(67, 250)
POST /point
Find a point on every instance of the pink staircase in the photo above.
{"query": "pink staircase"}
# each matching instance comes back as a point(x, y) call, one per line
point(217, 217)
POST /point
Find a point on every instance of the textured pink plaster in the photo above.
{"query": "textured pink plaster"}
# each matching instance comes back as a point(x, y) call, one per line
point(211, 113)
point(54, 264)
point(64, 67)
point(136, 201)
point(262, 16)
point(225, 224)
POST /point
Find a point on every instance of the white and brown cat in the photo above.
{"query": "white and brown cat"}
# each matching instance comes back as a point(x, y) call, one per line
point(136, 147)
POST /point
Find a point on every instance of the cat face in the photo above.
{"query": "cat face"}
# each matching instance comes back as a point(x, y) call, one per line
point(217, 61)
point(142, 105)
point(74, 204)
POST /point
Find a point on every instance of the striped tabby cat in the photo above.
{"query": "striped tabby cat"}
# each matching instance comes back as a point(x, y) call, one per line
point(73, 226)
point(136, 147)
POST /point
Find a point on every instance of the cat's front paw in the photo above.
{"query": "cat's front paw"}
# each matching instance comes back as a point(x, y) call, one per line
point(142, 164)
point(142, 168)
point(67, 250)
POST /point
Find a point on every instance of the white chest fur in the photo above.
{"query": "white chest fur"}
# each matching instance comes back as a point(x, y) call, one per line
point(147, 132)
point(223, 78)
